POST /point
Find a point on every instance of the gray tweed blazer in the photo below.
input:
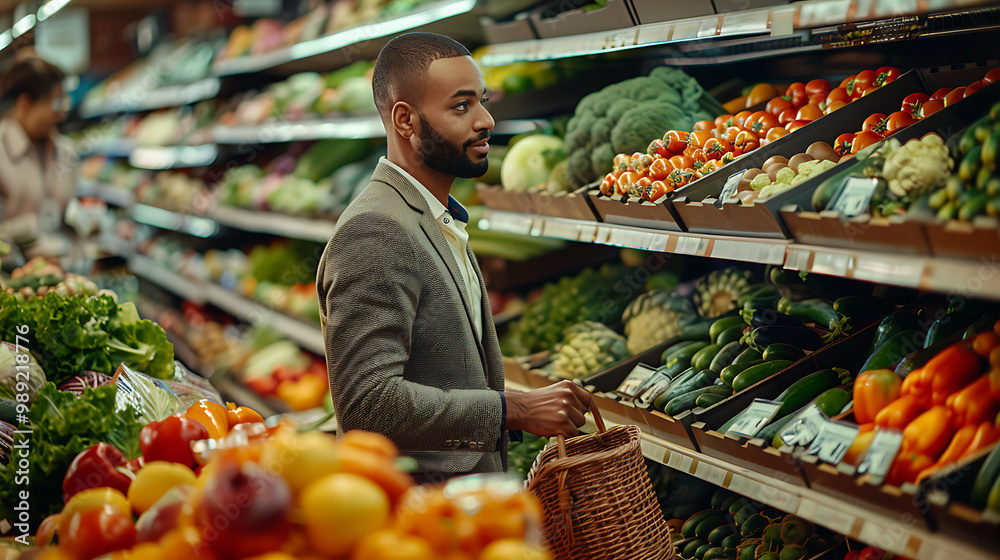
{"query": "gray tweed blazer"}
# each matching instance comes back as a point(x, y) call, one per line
point(401, 349)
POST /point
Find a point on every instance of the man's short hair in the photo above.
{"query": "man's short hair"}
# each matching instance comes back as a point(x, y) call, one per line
point(402, 65)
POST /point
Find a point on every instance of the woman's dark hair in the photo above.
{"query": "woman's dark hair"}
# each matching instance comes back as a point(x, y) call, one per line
point(32, 76)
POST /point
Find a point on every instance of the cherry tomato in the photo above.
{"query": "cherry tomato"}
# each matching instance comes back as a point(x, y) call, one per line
point(818, 88)
point(787, 116)
point(775, 133)
point(698, 138)
point(877, 123)
point(842, 145)
point(657, 148)
point(776, 105)
point(838, 94)
point(860, 82)
point(170, 439)
point(886, 75)
point(796, 124)
point(864, 139)
point(931, 107)
point(796, 94)
point(941, 93)
point(676, 140)
point(91, 533)
point(973, 88)
point(722, 122)
point(809, 112)
point(703, 125)
point(681, 162)
point(913, 102)
point(954, 96)
point(740, 119)
point(745, 142)
point(991, 76)
point(716, 148)
point(621, 162)
point(898, 120)
point(846, 81)
point(659, 169)
point(834, 106)
point(760, 122)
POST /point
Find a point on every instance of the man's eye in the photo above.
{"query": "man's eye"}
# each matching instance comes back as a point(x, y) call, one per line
point(485, 100)
point(463, 105)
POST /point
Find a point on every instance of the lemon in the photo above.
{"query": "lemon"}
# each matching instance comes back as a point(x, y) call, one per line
point(154, 480)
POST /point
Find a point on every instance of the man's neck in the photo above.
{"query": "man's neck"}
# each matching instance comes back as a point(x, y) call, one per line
point(439, 184)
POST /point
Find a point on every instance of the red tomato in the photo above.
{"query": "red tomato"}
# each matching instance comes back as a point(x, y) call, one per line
point(931, 107)
point(796, 94)
point(91, 533)
point(842, 145)
point(170, 439)
point(731, 133)
point(775, 133)
point(641, 162)
point(658, 148)
point(898, 120)
point(834, 106)
point(860, 82)
point(47, 530)
point(796, 124)
point(608, 184)
point(659, 169)
point(722, 122)
point(740, 118)
point(656, 191)
point(679, 177)
point(703, 125)
point(991, 76)
point(818, 88)
point(913, 102)
point(676, 140)
point(877, 123)
point(681, 162)
point(954, 96)
point(698, 138)
point(973, 88)
point(697, 155)
point(778, 104)
point(745, 142)
point(861, 90)
point(760, 122)
point(787, 116)
point(621, 162)
point(864, 139)
point(809, 113)
point(941, 93)
point(886, 75)
point(838, 94)
point(716, 148)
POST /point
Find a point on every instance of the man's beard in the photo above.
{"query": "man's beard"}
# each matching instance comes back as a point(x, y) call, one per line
point(444, 157)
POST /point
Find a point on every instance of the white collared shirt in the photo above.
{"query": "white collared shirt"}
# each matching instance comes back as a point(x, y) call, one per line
point(458, 239)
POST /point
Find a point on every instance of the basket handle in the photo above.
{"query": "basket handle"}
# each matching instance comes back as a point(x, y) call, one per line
point(561, 440)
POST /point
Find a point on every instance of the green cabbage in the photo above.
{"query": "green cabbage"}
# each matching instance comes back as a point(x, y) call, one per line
point(31, 374)
point(530, 162)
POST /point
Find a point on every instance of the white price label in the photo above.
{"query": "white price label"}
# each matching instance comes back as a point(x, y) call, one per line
point(834, 264)
point(689, 245)
point(658, 242)
point(804, 428)
point(754, 418)
point(895, 8)
point(830, 518)
point(816, 14)
point(884, 447)
point(674, 461)
point(833, 441)
point(514, 223)
point(686, 30)
point(854, 196)
point(635, 380)
point(741, 485)
point(777, 498)
point(586, 234)
point(710, 473)
point(729, 189)
point(685, 464)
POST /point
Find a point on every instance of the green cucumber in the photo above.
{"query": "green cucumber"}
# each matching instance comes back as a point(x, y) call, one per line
point(687, 400)
point(732, 541)
point(760, 290)
point(725, 356)
point(892, 325)
point(757, 373)
point(719, 534)
point(731, 334)
point(730, 501)
point(746, 551)
point(772, 534)
point(781, 351)
point(816, 311)
point(706, 527)
point(746, 512)
point(700, 380)
point(986, 479)
point(720, 553)
point(969, 166)
point(804, 390)
point(696, 331)
point(749, 355)
point(708, 400)
point(687, 529)
point(832, 401)
point(721, 325)
point(686, 352)
point(718, 498)
point(691, 547)
point(730, 372)
point(700, 553)
point(862, 305)
point(771, 431)
point(973, 207)
point(793, 552)
point(894, 350)
point(703, 358)
point(754, 526)
point(670, 352)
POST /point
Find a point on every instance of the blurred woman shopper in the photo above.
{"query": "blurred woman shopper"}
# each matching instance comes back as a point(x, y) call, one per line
point(36, 162)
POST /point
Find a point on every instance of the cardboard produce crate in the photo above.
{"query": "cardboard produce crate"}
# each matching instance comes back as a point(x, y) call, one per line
point(574, 205)
point(948, 509)
point(636, 212)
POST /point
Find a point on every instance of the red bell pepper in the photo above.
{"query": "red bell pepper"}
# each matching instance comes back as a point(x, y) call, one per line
point(974, 404)
point(170, 439)
point(951, 370)
point(873, 391)
point(929, 433)
point(853, 555)
point(100, 465)
point(906, 467)
point(986, 435)
point(899, 413)
point(994, 374)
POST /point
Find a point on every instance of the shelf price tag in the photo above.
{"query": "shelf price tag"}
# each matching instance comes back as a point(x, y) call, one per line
point(833, 441)
point(885, 445)
point(729, 189)
point(689, 245)
point(754, 418)
point(804, 428)
point(854, 196)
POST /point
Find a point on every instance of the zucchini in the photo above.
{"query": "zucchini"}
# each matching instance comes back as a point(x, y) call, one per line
point(754, 526)
point(703, 358)
point(753, 375)
point(745, 513)
point(699, 380)
point(858, 305)
point(687, 529)
point(700, 553)
point(763, 317)
point(691, 547)
point(719, 326)
point(952, 323)
point(708, 400)
point(804, 390)
point(832, 401)
point(725, 356)
point(687, 400)
point(969, 166)
point(986, 479)
point(973, 207)
point(720, 533)
point(754, 292)
point(719, 553)
point(770, 432)
point(732, 541)
point(687, 351)
point(816, 311)
point(892, 325)
point(730, 372)
point(802, 337)
point(718, 498)
point(676, 366)
point(734, 333)
point(730, 502)
point(763, 302)
point(781, 351)
point(894, 350)
point(696, 331)
point(793, 552)
point(749, 355)
point(706, 527)
point(669, 352)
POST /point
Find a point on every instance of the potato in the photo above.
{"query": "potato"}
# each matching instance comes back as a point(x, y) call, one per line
point(748, 176)
point(822, 150)
point(773, 169)
point(797, 160)
point(774, 159)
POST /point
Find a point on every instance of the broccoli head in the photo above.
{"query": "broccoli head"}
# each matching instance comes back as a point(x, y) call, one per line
point(578, 130)
point(600, 133)
point(618, 108)
point(602, 159)
point(642, 88)
point(643, 123)
point(579, 167)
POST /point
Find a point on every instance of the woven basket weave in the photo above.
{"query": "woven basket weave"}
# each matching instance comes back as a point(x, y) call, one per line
point(597, 499)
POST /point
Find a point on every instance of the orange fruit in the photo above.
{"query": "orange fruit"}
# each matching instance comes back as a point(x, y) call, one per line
point(512, 548)
point(389, 544)
point(339, 509)
point(761, 93)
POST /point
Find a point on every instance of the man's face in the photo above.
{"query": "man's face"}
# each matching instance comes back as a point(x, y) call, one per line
point(454, 125)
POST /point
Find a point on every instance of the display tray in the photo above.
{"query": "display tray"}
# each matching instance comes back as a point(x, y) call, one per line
point(548, 22)
point(827, 228)
point(635, 212)
point(948, 511)
point(963, 239)
point(497, 198)
point(574, 205)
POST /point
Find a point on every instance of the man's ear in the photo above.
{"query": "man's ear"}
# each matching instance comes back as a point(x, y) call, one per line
point(404, 119)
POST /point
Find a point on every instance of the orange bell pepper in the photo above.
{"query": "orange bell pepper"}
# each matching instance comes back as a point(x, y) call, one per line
point(241, 415)
point(305, 393)
point(929, 433)
point(873, 390)
point(951, 370)
point(986, 435)
point(984, 343)
point(860, 444)
point(994, 376)
point(906, 467)
point(212, 415)
point(973, 404)
point(899, 413)
point(959, 443)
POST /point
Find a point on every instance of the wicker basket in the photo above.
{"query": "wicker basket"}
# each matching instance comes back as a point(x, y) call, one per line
point(597, 499)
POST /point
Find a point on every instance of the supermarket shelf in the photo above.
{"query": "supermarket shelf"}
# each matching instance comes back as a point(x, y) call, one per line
point(772, 22)
point(966, 277)
point(277, 224)
point(353, 44)
point(358, 127)
point(115, 148)
point(150, 270)
point(173, 157)
point(893, 534)
point(141, 100)
point(115, 196)
point(304, 334)
point(173, 221)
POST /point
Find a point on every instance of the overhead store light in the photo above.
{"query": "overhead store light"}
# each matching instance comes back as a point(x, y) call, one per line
point(24, 25)
point(50, 8)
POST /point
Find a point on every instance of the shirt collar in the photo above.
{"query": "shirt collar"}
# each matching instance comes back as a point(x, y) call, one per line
point(437, 209)
point(15, 139)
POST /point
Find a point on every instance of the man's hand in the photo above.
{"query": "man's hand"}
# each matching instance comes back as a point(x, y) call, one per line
point(554, 410)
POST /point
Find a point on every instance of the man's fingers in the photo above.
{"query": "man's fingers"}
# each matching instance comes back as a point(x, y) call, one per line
point(576, 417)
point(583, 396)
